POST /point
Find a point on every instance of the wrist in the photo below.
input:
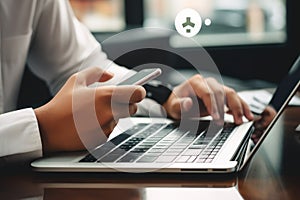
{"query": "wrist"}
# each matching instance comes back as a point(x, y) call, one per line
point(166, 106)
point(158, 92)
point(40, 116)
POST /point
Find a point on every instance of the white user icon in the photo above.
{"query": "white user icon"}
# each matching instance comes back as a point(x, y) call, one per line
point(188, 22)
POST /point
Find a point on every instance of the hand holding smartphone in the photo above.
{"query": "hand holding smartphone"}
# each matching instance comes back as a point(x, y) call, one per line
point(142, 77)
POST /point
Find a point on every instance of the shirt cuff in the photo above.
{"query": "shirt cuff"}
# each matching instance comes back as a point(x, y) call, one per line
point(19, 133)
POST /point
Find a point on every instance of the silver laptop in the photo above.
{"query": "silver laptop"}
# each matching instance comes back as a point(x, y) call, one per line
point(189, 146)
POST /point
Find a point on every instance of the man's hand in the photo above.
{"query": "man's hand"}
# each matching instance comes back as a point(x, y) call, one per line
point(207, 96)
point(76, 103)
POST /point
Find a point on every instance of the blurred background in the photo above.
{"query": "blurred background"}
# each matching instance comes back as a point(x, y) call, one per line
point(233, 21)
point(256, 36)
point(252, 41)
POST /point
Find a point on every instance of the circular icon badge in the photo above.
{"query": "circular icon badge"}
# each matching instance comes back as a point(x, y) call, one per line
point(188, 22)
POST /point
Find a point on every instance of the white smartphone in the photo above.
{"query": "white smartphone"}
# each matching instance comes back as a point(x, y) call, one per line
point(142, 77)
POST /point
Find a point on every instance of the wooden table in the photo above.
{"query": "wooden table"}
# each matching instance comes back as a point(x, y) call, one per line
point(273, 173)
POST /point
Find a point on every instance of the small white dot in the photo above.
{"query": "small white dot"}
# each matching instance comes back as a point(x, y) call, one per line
point(207, 22)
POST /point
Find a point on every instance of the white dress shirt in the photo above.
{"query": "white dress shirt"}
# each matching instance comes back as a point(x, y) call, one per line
point(46, 35)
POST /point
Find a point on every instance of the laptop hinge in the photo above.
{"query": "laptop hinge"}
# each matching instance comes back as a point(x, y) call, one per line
point(240, 154)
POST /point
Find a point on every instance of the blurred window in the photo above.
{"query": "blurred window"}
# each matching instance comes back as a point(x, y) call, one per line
point(228, 22)
point(100, 15)
point(232, 21)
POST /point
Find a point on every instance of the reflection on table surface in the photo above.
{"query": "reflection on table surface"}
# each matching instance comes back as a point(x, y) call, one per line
point(25, 184)
point(273, 173)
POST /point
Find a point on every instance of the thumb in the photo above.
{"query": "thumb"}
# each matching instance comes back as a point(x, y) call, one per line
point(92, 75)
point(128, 94)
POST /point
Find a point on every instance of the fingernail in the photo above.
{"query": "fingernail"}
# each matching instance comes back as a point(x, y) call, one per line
point(110, 73)
point(185, 106)
point(239, 121)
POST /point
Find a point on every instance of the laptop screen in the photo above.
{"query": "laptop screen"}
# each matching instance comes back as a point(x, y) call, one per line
point(281, 97)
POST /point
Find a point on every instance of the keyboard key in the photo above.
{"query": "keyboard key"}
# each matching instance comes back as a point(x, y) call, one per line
point(174, 150)
point(113, 156)
point(135, 129)
point(109, 158)
point(101, 151)
point(192, 152)
point(118, 139)
point(181, 146)
point(171, 153)
point(157, 150)
point(165, 159)
point(165, 143)
point(192, 159)
point(130, 157)
point(139, 150)
point(162, 146)
point(88, 158)
point(183, 159)
point(202, 156)
point(197, 147)
point(147, 159)
point(153, 154)
point(201, 160)
point(126, 147)
point(144, 146)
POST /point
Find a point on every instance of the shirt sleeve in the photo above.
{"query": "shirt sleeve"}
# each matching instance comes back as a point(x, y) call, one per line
point(62, 46)
point(19, 134)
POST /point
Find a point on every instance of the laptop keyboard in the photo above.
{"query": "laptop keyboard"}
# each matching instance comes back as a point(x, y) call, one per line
point(161, 143)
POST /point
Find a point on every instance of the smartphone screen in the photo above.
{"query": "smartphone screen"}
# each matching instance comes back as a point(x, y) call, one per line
point(142, 77)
